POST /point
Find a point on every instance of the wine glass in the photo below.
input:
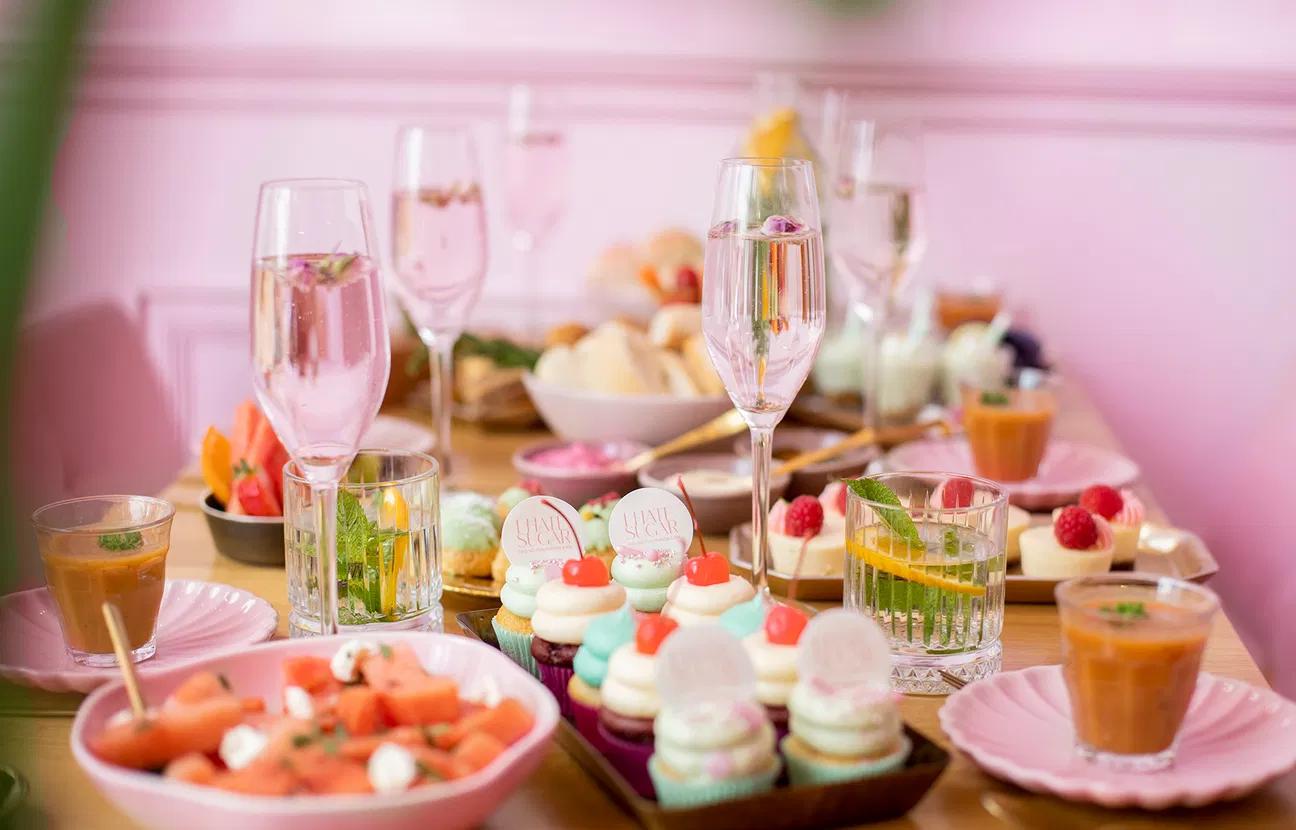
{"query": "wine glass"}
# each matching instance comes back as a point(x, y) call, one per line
point(877, 227)
point(535, 174)
point(763, 304)
point(320, 348)
point(438, 249)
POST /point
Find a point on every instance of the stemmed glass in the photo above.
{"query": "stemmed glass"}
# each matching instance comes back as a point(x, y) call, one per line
point(535, 173)
point(438, 249)
point(320, 348)
point(878, 226)
point(763, 304)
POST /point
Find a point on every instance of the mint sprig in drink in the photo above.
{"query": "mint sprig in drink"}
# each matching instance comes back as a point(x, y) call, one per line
point(925, 558)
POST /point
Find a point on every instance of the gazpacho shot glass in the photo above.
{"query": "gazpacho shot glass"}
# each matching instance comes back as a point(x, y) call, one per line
point(1131, 649)
point(105, 549)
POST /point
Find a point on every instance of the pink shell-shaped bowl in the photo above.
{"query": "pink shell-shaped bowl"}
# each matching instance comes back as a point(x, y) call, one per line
point(195, 618)
point(157, 802)
point(1017, 726)
point(1067, 469)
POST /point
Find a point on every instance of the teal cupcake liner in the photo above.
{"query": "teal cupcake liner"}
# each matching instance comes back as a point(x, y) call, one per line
point(517, 647)
point(676, 792)
point(804, 772)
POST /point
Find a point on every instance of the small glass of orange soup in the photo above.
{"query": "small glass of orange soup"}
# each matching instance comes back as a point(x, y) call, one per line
point(105, 549)
point(1131, 649)
point(1008, 429)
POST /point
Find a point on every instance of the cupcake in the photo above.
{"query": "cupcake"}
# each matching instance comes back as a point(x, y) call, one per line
point(603, 636)
point(772, 648)
point(469, 535)
point(564, 609)
point(816, 525)
point(843, 723)
point(712, 739)
point(647, 574)
point(1125, 513)
point(515, 495)
point(594, 532)
point(512, 623)
point(630, 702)
point(705, 591)
point(1078, 544)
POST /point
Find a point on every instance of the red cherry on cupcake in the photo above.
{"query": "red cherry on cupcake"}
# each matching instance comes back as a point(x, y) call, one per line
point(707, 569)
point(587, 572)
point(784, 624)
point(957, 492)
point(1103, 500)
point(653, 628)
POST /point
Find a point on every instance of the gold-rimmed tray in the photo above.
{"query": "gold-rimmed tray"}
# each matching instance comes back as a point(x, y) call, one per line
point(470, 586)
point(1162, 550)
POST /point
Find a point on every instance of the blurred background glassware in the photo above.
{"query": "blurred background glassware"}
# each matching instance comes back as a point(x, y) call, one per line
point(320, 349)
point(763, 304)
point(535, 182)
point(939, 595)
point(438, 250)
point(878, 223)
point(389, 545)
point(1132, 646)
point(101, 549)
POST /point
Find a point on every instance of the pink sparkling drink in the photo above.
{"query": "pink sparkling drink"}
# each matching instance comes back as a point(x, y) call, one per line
point(440, 253)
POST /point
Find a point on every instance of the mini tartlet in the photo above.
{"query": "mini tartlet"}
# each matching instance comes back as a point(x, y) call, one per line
point(822, 520)
point(1124, 511)
point(1078, 544)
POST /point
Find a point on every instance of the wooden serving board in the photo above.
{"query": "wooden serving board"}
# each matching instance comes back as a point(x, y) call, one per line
point(1162, 550)
point(782, 808)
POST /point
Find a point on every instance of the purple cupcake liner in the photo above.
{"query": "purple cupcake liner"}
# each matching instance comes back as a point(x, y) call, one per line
point(630, 759)
point(556, 679)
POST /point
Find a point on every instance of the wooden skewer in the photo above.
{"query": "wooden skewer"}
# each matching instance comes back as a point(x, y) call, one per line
point(862, 438)
point(730, 423)
point(121, 646)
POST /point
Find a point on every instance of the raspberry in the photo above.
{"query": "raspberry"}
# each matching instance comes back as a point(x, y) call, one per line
point(1103, 500)
point(805, 517)
point(1075, 529)
point(957, 492)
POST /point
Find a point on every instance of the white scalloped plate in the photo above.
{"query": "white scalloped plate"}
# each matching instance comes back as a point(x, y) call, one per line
point(1067, 469)
point(1017, 726)
point(196, 618)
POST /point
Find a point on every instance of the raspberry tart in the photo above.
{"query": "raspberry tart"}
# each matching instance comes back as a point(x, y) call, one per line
point(1079, 543)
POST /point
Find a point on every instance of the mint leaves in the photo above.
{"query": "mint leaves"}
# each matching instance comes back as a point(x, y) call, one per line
point(895, 518)
point(365, 552)
point(1125, 611)
point(121, 541)
point(995, 399)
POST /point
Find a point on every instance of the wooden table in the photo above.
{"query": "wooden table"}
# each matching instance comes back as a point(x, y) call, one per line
point(560, 794)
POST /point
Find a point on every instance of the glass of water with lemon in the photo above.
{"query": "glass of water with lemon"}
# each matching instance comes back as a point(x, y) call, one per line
point(925, 559)
point(388, 545)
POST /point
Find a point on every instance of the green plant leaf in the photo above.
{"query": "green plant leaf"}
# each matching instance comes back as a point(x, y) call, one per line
point(121, 541)
point(895, 518)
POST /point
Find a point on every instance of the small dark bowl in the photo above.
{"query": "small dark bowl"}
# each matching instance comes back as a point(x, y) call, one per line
point(810, 481)
point(579, 486)
point(253, 540)
point(715, 513)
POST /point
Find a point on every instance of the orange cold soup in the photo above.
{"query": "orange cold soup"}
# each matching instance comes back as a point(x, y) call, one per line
point(1130, 679)
point(82, 575)
point(1008, 431)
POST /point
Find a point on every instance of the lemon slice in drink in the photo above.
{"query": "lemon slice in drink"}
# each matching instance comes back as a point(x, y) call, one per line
point(898, 560)
point(394, 515)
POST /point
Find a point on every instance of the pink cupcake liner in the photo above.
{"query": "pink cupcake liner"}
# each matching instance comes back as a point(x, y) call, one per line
point(586, 720)
point(630, 759)
point(556, 679)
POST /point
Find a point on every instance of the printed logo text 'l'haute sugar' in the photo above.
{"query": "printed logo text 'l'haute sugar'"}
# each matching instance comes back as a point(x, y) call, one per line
point(651, 524)
point(543, 533)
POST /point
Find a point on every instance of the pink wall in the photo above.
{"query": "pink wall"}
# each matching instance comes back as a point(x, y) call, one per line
point(1130, 177)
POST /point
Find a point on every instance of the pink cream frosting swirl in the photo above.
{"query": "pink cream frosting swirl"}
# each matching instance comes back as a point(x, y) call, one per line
point(778, 517)
point(1132, 511)
point(1106, 538)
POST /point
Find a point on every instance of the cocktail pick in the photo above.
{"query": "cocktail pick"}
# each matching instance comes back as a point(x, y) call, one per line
point(117, 632)
point(697, 528)
point(704, 664)
point(845, 649)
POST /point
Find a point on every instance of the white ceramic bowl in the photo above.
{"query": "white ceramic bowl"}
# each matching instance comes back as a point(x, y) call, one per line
point(593, 416)
point(154, 801)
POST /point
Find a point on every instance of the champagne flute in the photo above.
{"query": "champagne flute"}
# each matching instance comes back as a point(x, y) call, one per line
point(438, 250)
point(763, 304)
point(320, 348)
point(878, 225)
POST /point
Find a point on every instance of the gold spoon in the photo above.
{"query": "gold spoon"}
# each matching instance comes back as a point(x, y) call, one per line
point(730, 423)
point(861, 438)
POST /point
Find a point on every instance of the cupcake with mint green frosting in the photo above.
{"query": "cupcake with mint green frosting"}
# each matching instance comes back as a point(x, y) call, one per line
point(647, 574)
point(512, 623)
point(469, 535)
point(594, 532)
point(604, 635)
point(745, 618)
point(515, 495)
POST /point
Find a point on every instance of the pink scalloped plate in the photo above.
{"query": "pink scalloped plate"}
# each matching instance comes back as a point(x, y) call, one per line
point(1017, 726)
point(196, 617)
point(1067, 469)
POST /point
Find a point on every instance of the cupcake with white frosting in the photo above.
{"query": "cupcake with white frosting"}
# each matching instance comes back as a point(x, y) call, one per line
point(770, 633)
point(630, 702)
point(512, 623)
point(844, 723)
point(705, 591)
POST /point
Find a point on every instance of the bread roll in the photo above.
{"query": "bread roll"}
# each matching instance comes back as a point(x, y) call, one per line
point(561, 366)
point(674, 324)
point(678, 380)
point(618, 360)
point(699, 366)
